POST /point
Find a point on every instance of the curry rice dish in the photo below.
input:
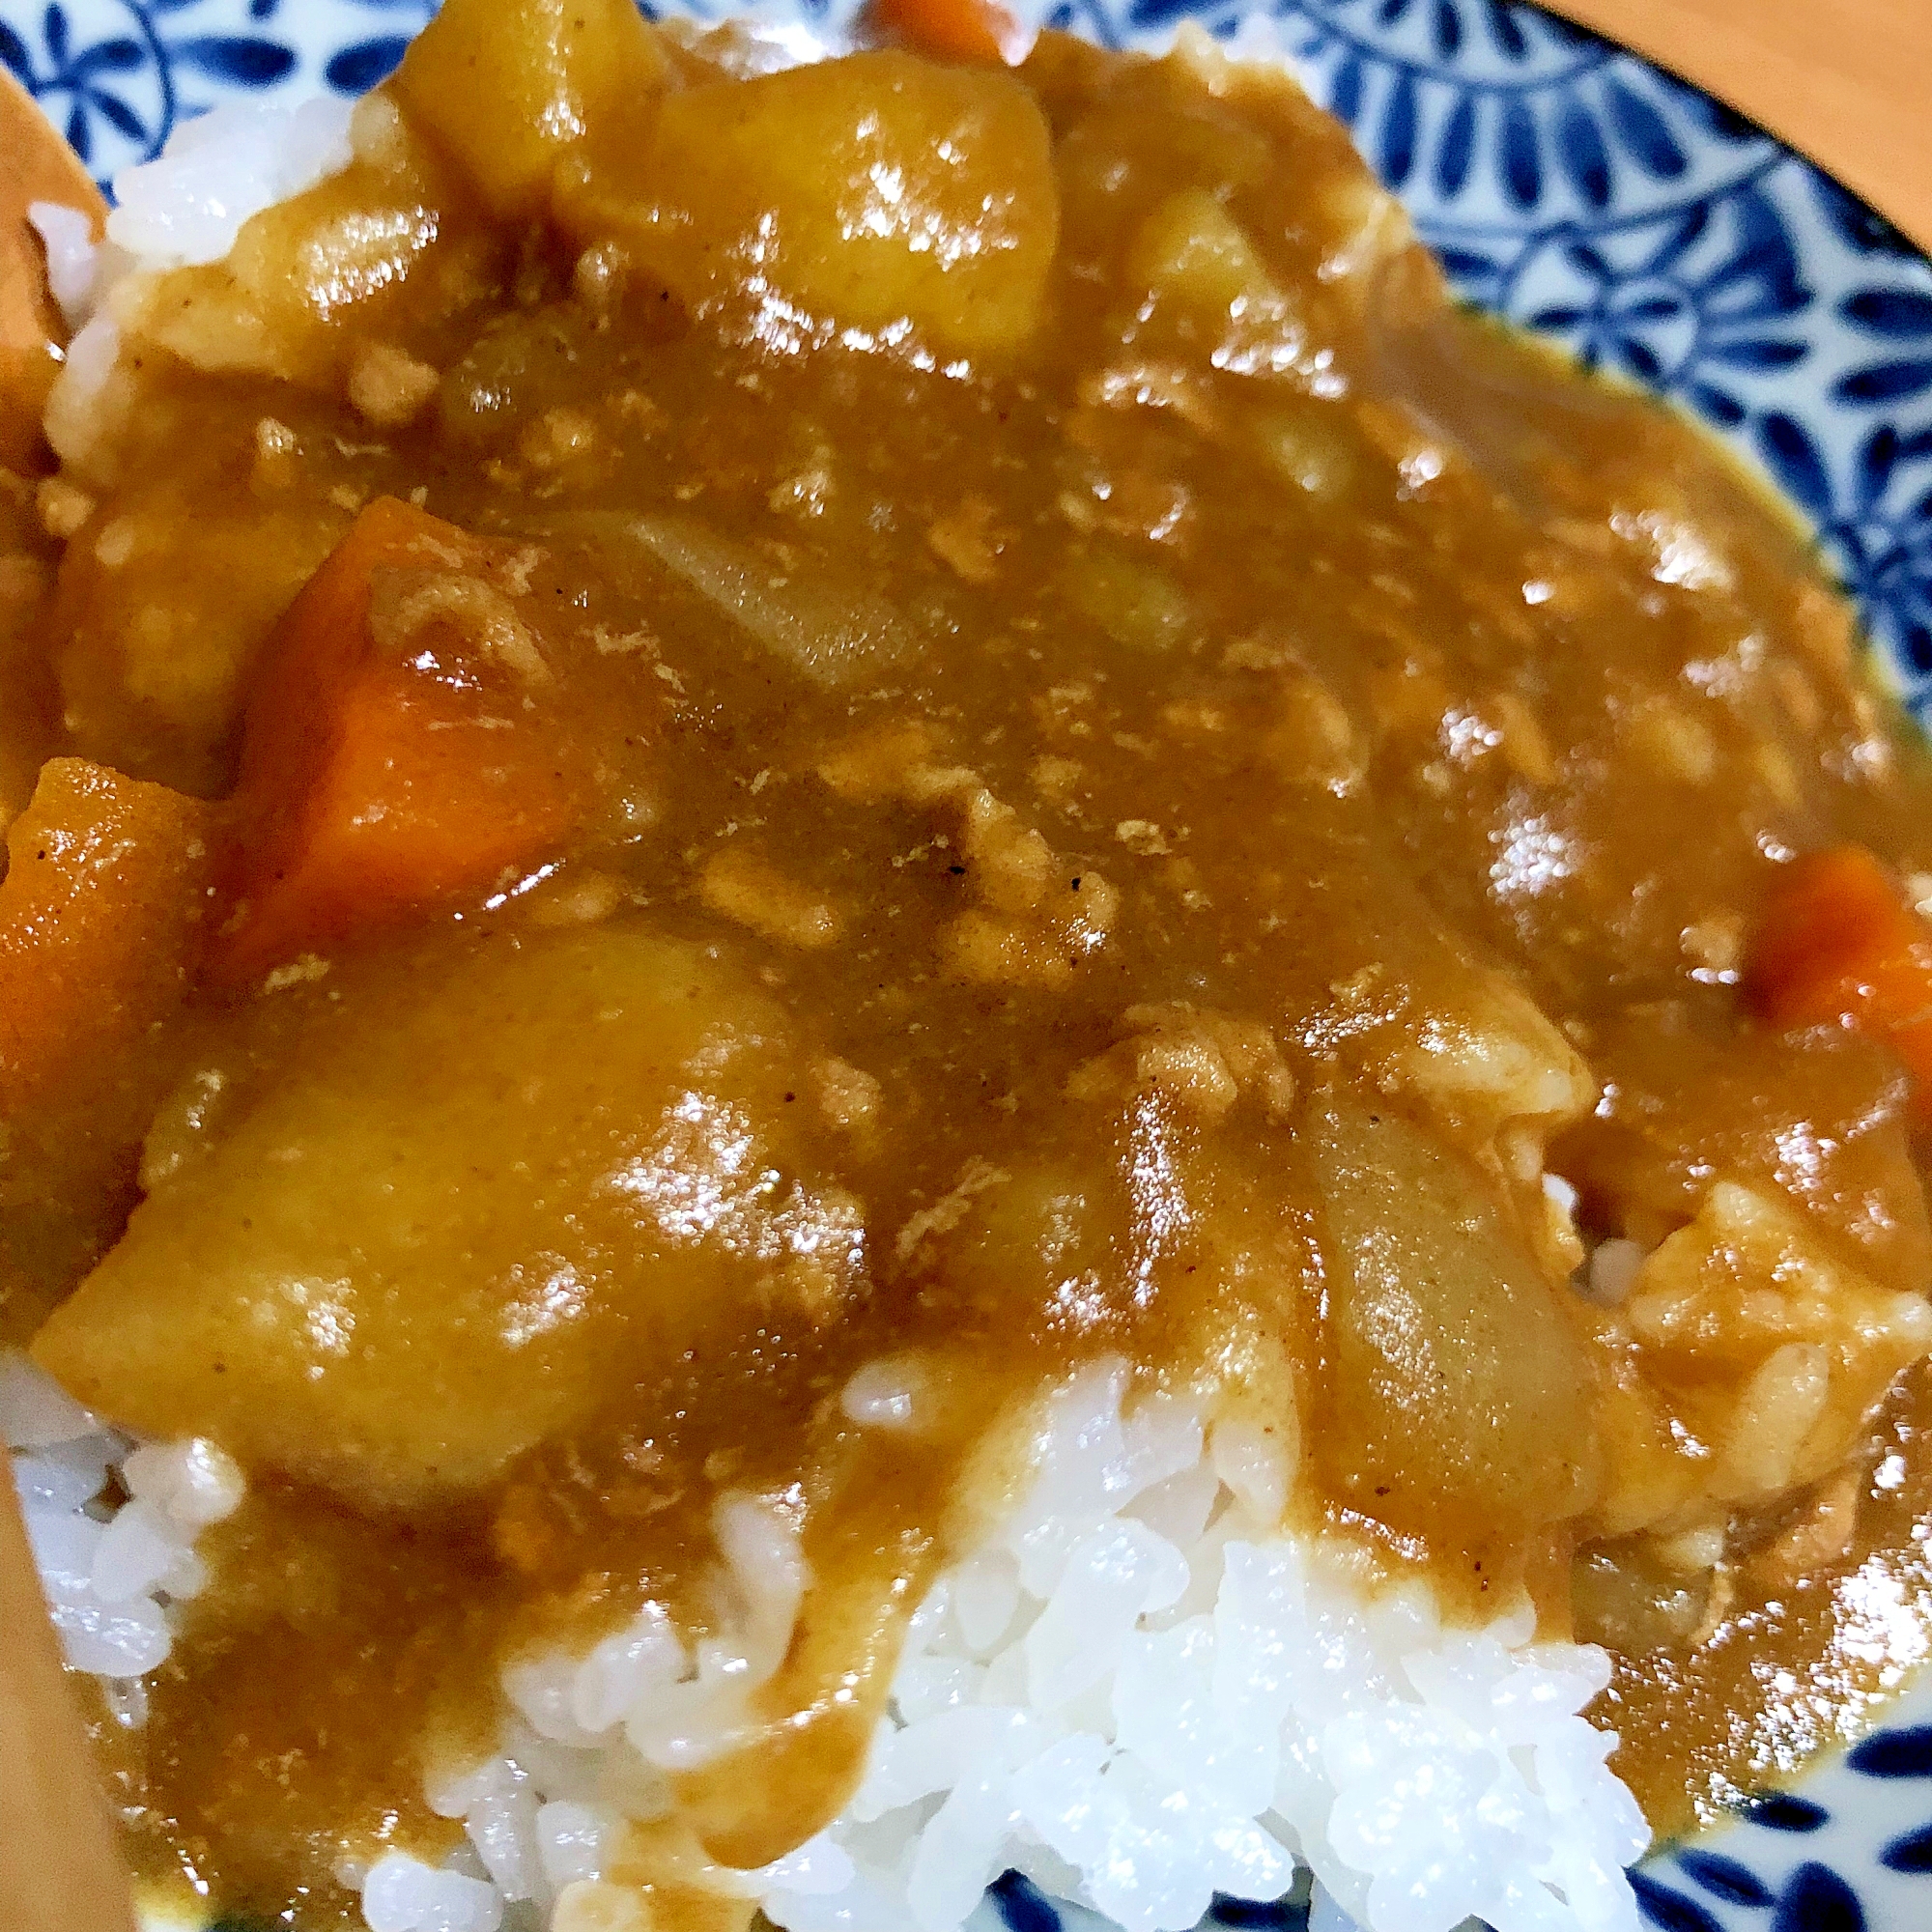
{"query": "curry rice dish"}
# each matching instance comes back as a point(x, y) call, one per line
point(886, 990)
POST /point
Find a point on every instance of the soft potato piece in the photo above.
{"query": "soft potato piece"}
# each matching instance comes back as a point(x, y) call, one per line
point(868, 192)
point(509, 89)
point(1210, 287)
point(162, 611)
point(471, 1200)
point(1463, 1398)
point(383, 241)
point(1191, 248)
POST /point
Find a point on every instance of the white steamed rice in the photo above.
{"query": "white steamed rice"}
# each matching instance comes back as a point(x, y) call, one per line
point(112, 1526)
point(1137, 1692)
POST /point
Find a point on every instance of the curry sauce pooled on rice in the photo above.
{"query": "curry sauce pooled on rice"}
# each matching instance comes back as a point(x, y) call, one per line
point(886, 990)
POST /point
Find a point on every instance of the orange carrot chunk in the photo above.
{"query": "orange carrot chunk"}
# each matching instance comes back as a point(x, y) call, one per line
point(389, 760)
point(102, 915)
point(958, 30)
point(1838, 945)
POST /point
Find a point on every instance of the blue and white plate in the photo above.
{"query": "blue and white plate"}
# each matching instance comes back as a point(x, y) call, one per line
point(1575, 189)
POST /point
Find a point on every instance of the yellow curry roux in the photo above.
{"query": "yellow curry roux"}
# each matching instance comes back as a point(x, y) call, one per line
point(1066, 762)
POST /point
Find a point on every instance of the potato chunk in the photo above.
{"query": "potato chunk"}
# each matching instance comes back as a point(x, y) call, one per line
point(509, 89)
point(463, 1205)
point(868, 192)
point(382, 245)
point(1462, 1397)
point(161, 617)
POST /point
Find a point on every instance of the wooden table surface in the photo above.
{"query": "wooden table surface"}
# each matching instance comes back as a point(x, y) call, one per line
point(1847, 81)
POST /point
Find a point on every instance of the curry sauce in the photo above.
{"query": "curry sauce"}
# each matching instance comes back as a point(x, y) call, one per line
point(908, 711)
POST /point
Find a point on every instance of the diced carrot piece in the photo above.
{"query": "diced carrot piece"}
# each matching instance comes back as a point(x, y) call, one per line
point(960, 30)
point(101, 918)
point(378, 782)
point(1838, 945)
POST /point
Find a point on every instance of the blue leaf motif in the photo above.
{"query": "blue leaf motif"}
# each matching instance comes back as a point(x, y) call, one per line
point(1641, 130)
point(1588, 261)
point(248, 63)
point(53, 30)
point(1900, 1753)
point(1509, 39)
point(1884, 382)
point(1669, 1910)
point(1816, 1899)
point(13, 51)
point(1684, 236)
point(1761, 277)
point(1858, 223)
point(1567, 34)
point(1727, 413)
point(1757, 354)
point(1448, 30)
point(1890, 312)
point(1877, 460)
point(1465, 266)
point(1780, 1812)
point(1396, 152)
point(1910, 1853)
point(355, 69)
point(1709, 114)
point(1276, 1916)
point(1022, 1905)
point(1580, 143)
point(1086, 16)
point(1641, 359)
point(1795, 462)
point(1345, 93)
point(122, 118)
point(1455, 148)
point(107, 57)
point(1725, 1878)
point(79, 136)
point(1522, 163)
point(1726, 122)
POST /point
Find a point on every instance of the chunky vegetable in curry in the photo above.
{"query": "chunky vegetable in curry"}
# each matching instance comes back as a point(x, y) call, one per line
point(696, 726)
